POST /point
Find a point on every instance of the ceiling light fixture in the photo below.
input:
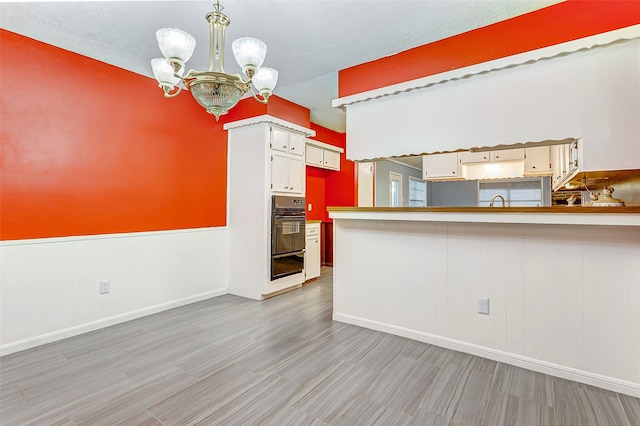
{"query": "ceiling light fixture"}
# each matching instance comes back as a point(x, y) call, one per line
point(214, 89)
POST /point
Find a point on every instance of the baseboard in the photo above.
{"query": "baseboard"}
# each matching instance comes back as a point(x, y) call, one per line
point(605, 382)
point(32, 342)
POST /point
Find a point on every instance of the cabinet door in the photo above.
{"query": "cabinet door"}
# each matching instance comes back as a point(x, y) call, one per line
point(312, 258)
point(508, 155)
point(537, 161)
point(331, 160)
point(279, 139)
point(557, 164)
point(314, 156)
point(280, 173)
point(296, 175)
point(474, 157)
point(573, 157)
point(296, 144)
point(312, 251)
point(441, 166)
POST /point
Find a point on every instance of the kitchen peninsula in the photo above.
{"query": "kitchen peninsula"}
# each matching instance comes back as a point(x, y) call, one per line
point(562, 283)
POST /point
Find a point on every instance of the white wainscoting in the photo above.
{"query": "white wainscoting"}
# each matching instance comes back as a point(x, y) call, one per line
point(49, 288)
point(564, 299)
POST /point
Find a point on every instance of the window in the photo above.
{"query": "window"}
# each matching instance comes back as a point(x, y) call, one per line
point(516, 192)
point(395, 189)
point(417, 192)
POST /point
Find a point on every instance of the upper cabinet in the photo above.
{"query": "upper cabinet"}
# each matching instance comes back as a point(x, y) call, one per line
point(442, 166)
point(559, 161)
point(469, 157)
point(564, 161)
point(285, 141)
point(287, 161)
point(287, 174)
point(319, 154)
point(515, 154)
point(537, 161)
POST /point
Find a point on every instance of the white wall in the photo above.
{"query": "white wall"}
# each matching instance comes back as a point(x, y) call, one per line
point(564, 299)
point(590, 94)
point(49, 288)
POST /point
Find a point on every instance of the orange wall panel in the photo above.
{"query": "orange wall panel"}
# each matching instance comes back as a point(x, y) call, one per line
point(552, 25)
point(287, 110)
point(277, 107)
point(315, 193)
point(88, 148)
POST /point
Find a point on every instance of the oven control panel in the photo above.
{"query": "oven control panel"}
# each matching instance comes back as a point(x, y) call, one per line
point(282, 202)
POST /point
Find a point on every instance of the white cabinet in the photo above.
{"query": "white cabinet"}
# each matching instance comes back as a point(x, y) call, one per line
point(564, 160)
point(287, 161)
point(285, 141)
point(323, 155)
point(331, 160)
point(507, 155)
point(287, 174)
point(537, 161)
point(312, 252)
point(441, 166)
point(469, 157)
point(314, 156)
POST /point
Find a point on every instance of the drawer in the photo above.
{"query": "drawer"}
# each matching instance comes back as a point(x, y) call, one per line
point(312, 231)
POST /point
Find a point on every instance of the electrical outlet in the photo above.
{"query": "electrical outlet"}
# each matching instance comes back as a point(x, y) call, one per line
point(483, 305)
point(104, 286)
point(310, 207)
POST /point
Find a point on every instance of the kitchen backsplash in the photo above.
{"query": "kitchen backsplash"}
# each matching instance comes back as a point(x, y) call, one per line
point(559, 198)
point(627, 190)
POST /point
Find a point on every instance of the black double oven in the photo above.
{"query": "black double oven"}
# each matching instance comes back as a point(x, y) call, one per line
point(288, 220)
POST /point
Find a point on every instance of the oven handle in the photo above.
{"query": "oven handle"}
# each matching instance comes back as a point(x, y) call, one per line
point(277, 256)
point(292, 216)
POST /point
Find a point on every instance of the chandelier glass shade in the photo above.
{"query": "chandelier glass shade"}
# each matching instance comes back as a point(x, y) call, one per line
point(214, 89)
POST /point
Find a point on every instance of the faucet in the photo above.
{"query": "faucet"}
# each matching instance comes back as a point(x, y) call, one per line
point(493, 199)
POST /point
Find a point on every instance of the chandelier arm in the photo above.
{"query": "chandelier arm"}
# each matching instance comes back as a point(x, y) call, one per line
point(168, 94)
point(257, 97)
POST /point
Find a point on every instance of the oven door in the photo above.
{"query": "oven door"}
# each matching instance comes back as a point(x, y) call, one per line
point(283, 265)
point(287, 234)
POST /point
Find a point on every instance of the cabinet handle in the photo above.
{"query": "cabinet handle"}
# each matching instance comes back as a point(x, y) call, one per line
point(453, 173)
point(533, 167)
point(293, 148)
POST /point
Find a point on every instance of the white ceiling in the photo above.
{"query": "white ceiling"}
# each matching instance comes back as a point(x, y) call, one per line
point(308, 40)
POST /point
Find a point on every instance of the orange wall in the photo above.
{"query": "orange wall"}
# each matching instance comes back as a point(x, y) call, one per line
point(555, 24)
point(88, 148)
point(103, 152)
point(315, 194)
point(277, 107)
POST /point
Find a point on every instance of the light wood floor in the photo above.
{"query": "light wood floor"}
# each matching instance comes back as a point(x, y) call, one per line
point(283, 361)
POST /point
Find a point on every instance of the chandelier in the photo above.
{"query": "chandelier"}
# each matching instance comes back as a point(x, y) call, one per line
point(214, 89)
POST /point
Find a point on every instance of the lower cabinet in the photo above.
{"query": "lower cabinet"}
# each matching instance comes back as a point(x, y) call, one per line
point(312, 251)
